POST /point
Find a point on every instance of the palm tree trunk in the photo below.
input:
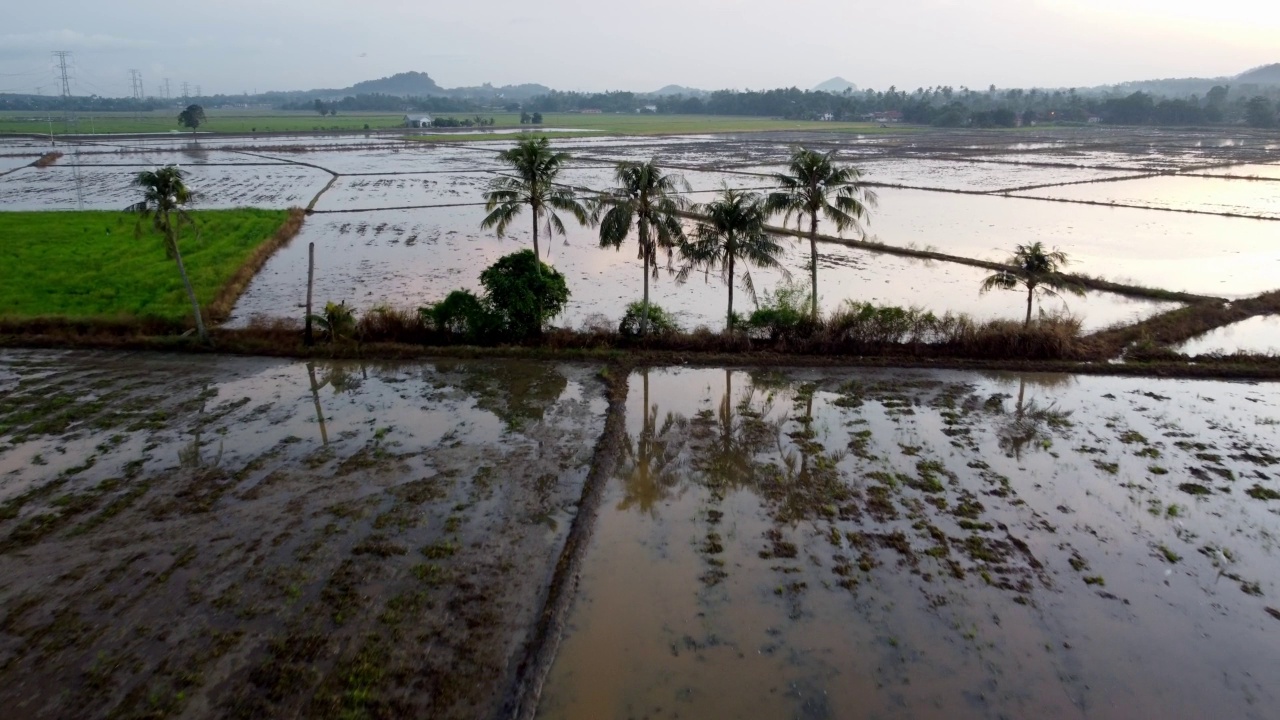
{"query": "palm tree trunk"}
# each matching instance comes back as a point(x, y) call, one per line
point(813, 263)
point(1031, 293)
point(647, 253)
point(729, 321)
point(536, 254)
point(191, 293)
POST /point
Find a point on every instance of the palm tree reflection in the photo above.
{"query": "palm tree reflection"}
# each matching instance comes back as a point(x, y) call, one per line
point(651, 467)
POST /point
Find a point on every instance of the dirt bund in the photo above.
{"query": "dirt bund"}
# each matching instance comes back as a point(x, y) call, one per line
point(532, 672)
point(222, 304)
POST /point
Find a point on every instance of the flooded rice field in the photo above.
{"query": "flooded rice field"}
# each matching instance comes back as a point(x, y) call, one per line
point(1200, 194)
point(234, 537)
point(408, 258)
point(256, 538)
point(818, 545)
point(1259, 335)
point(400, 222)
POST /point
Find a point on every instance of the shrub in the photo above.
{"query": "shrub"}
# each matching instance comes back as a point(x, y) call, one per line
point(336, 322)
point(387, 324)
point(523, 293)
point(461, 313)
point(783, 313)
point(660, 321)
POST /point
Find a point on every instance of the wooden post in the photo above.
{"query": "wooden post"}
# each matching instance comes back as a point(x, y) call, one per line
point(307, 337)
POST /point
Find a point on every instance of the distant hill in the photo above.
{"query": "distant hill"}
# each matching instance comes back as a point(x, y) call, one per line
point(405, 84)
point(836, 86)
point(671, 90)
point(1265, 75)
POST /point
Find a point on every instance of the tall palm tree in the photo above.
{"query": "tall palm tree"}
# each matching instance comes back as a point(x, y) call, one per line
point(1038, 270)
point(164, 200)
point(732, 232)
point(815, 187)
point(536, 168)
point(645, 198)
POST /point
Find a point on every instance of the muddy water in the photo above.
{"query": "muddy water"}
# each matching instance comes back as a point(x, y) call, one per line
point(232, 537)
point(408, 258)
point(869, 544)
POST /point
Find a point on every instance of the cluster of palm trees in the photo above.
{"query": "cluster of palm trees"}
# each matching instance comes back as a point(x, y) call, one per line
point(729, 235)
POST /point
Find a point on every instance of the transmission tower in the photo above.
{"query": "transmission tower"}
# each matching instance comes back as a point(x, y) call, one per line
point(62, 57)
point(198, 93)
point(135, 81)
point(186, 93)
point(167, 93)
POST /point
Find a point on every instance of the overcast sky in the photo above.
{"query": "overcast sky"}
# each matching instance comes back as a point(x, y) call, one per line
point(232, 46)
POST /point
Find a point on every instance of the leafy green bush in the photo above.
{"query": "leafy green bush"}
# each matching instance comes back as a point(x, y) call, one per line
point(461, 313)
point(523, 296)
point(660, 321)
point(783, 312)
point(519, 299)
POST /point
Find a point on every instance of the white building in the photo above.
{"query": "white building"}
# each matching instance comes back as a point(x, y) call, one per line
point(418, 121)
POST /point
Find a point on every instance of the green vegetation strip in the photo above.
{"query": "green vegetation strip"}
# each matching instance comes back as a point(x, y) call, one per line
point(275, 121)
point(91, 266)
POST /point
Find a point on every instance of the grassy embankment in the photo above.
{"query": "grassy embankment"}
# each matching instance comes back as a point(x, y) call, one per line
point(89, 269)
point(274, 121)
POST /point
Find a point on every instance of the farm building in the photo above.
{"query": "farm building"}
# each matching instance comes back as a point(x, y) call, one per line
point(418, 121)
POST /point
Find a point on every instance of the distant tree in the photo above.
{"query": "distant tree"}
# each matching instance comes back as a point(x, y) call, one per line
point(320, 108)
point(192, 117)
point(733, 233)
point(815, 187)
point(525, 118)
point(333, 112)
point(536, 168)
point(1260, 113)
point(164, 199)
point(1036, 269)
point(536, 119)
point(647, 200)
point(1029, 117)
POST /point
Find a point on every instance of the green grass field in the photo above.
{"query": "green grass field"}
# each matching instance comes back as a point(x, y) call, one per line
point(249, 121)
point(90, 264)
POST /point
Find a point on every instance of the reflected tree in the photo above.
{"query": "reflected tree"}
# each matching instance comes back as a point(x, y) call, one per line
point(651, 468)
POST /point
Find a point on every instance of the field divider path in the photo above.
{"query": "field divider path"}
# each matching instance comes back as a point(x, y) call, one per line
point(1182, 324)
point(531, 674)
point(311, 205)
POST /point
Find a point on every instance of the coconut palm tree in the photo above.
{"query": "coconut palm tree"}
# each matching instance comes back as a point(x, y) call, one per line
point(164, 200)
point(815, 187)
point(645, 199)
point(732, 233)
point(536, 168)
point(1038, 270)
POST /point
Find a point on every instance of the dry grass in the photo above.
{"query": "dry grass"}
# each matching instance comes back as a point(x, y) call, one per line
point(47, 159)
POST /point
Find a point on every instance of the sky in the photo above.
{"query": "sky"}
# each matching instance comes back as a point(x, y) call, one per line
point(235, 46)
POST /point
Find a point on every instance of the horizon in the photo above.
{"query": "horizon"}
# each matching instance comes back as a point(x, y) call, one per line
point(328, 44)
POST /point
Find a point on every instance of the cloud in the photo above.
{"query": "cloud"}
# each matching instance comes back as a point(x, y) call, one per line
point(64, 39)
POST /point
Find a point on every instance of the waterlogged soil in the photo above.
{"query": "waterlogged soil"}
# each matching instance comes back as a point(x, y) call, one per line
point(931, 545)
point(112, 188)
point(230, 537)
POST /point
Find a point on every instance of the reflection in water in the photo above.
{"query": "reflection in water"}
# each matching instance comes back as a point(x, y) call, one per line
point(882, 546)
point(651, 460)
point(315, 397)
